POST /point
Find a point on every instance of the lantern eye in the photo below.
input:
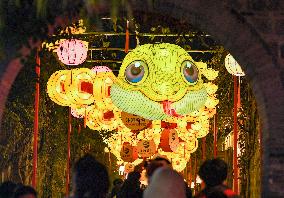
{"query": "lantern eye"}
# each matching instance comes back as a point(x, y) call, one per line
point(135, 72)
point(190, 71)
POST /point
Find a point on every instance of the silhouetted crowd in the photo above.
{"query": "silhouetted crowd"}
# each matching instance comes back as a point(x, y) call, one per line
point(90, 180)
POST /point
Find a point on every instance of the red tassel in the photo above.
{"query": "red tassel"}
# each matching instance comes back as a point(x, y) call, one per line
point(126, 38)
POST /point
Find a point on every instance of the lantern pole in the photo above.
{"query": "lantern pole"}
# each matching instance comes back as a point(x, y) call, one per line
point(195, 173)
point(68, 152)
point(35, 143)
point(190, 171)
point(235, 154)
point(215, 136)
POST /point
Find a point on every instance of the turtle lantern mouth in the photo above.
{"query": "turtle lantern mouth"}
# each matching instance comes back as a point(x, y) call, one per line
point(168, 109)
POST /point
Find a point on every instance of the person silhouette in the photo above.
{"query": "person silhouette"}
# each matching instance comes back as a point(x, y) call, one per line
point(214, 172)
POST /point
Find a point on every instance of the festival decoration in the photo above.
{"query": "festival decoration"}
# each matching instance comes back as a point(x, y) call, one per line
point(169, 76)
point(163, 113)
point(79, 86)
point(128, 152)
point(146, 148)
point(134, 122)
point(72, 51)
point(169, 140)
point(56, 89)
point(233, 66)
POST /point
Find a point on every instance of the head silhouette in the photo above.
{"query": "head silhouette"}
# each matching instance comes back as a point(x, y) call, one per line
point(213, 172)
point(25, 192)
point(90, 178)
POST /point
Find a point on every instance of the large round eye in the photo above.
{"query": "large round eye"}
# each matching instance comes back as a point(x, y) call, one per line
point(134, 73)
point(190, 71)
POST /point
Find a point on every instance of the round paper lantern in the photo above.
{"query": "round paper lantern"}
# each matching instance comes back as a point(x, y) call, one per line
point(56, 88)
point(101, 91)
point(128, 152)
point(102, 119)
point(72, 51)
point(79, 86)
point(146, 148)
point(233, 66)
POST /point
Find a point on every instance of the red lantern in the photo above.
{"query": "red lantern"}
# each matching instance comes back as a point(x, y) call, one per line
point(72, 52)
point(169, 140)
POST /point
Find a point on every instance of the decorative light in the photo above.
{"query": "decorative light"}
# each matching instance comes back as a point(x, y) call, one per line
point(56, 89)
point(233, 66)
point(79, 86)
point(72, 51)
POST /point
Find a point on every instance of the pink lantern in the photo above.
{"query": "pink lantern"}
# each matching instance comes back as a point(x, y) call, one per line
point(98, 69)
point(72, 52)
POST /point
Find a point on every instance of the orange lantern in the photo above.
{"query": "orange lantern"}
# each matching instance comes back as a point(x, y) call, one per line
point(146, 148)
point(134, 122)
point(128, 152)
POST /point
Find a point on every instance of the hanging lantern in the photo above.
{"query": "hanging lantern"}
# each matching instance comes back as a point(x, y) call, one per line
point(79, 86)
point(233, 66)
point(72, 51)
point(56, 89)
point(102, 84)
point(134, 122)
point(128, 152)
point(102, 119)
point(146, 148)
point(169, 140)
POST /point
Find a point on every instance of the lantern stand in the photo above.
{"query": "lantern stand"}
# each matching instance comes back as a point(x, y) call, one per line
point(36, 106)
point(215, 148)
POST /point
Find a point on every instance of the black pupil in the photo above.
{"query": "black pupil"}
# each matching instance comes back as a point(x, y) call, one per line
point(189, 70)
point(136, 70)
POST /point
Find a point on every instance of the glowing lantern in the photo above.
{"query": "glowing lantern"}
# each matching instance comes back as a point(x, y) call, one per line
point(102, 84)
point(72, 51)
point(128, 152)
point(233, 66)
point(79, 86)
point(134, 122)
point(102, 119)
point(146, 148)
point(56, 89)
point(169, 140)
